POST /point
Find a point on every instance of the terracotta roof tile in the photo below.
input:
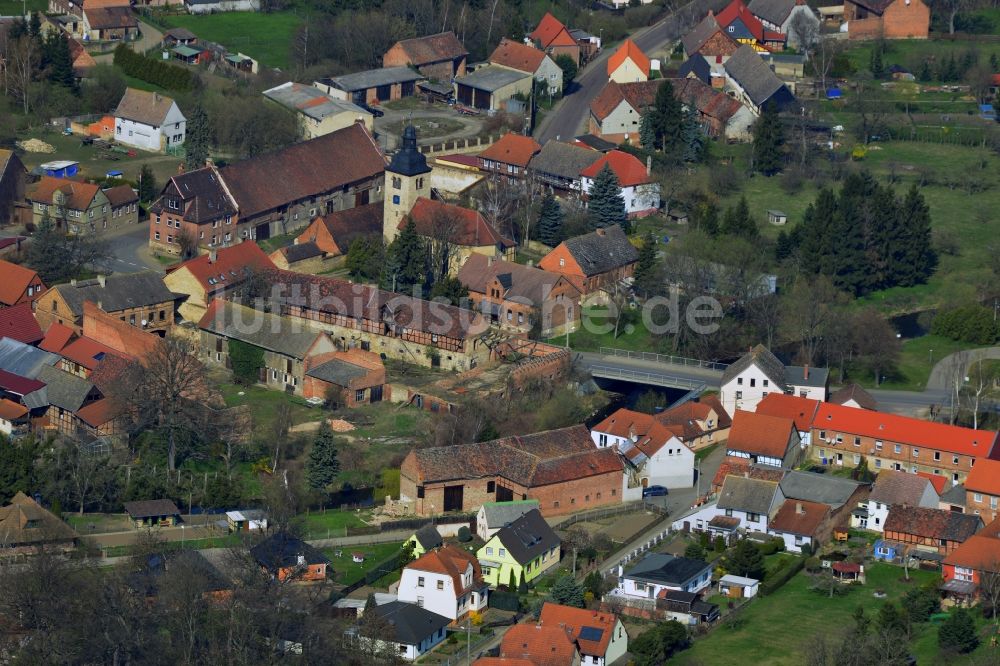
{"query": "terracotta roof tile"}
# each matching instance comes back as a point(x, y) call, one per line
point(800, 410)
point(78, 195)
point(737, 467)
point(855, 393)
point(906, 430)
point(18, 322)
point(932, 523)
point(640, 96)
point(760, 434)
point(232, 262)
point(86, 352)
point(629, 170)
point(521, 283)
point(938, 481)
point(575, 619)
point(56, 337)
point(309, 168)
point(541, 645)
point(433, 48)
point(502, 661)
point(452, 561)
point(512, 149)
point(121, 195)
point(551, 32)
point(984, 477)
point(345, 226)
point(625, 423)
point(99, 412)
point(737, 10)
point(464, 225)
point(631, 51)
point(516, 55)
point(979, 552)
point(799, 517)
point(14, 281)
point(10, 410)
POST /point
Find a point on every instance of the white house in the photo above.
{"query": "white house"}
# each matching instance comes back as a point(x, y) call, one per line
point(526, 58)
point(639, 190)
point(738, 586)
point(493, 516)
point(653, 453)
point(764, 440)
point(786, 16)
point(657, 572)
point(744, 504)
point(759, 372)
point(414, 630)
point(601, 638)
point(447, 581)
point(149, 121)
point(894, 488)
point(800, 410)
point(628, 64)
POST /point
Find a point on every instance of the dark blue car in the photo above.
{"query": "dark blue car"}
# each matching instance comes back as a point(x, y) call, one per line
point(654, 491)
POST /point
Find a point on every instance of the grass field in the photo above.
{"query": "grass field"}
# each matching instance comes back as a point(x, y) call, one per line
point(264, 405)
point(18, 8)
point(190, 544)
point(327, 524)
point(347, 571)
point(776, 629)
point(916, 361)
point(264, 37)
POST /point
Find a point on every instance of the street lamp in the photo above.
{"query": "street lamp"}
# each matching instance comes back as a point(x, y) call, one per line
point(182, 537)
point(930, 356)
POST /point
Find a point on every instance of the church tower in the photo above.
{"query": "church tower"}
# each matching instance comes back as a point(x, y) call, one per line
point(406, 179)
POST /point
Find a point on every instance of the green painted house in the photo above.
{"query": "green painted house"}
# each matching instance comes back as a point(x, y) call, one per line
point(427, 538)
point(523, 550)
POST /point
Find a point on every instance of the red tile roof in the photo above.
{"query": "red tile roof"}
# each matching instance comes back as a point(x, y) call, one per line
point(450, 560)
point(979, 552)
point(86, 352)
point(468, 227)
point(98, 412)
point(799, 517)
point(629, 170)
point(737, 10)
point(640, 96)
point(760, 434)
point(628, 50)
point(516, 55)
point(78, 195)
point(18, 322)
point(938, 480)
point(10, 410)
point(932, 523)
point(800, 410)
point(739, 467)
point(575, 619)
point(56, 337)
point(501, 661)
point(304, 170)
point(433, 48)
point(231, 262)
point(625, 423)
point(541, 645)
point(512, 148)
point(905, 430)
point(551, 32)
point(114, 334)
point(984, 477)
point(14, 281)
point(18, 384)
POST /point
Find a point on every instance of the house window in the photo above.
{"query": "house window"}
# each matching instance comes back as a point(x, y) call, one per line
point(753, 382)
point(916, 453)
point(937, 455)
point(489, 550)
point(993, 503)
point(420, 601)
point(961, 573)
point(739, 395)
point(857, 441)
point(878, 462)
point(857, 458)
point(420, 581)
point(897, 449)
point(729, 512)
point(602, 440)
point(420, 492)
point(954, 460)
point(502, 552)
point(359, 395)
point(753, 517)
point(440, 585)
point(739, 381)
point(977, 497)
point(878, 445)
point(766, 383)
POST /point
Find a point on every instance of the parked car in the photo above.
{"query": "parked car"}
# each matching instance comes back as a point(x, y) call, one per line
point(654, 491)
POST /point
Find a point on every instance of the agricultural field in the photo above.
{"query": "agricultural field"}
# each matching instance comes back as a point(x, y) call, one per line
point(264, 37)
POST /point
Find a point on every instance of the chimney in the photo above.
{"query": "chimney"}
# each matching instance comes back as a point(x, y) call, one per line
point(100, 305)
point(102, 280)
point(798, 508)
point(806, 371)
point(213, 256)
point(649, 165)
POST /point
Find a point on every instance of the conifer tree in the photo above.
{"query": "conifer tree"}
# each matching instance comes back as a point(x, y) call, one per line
point(147, 184)
point(668, 118)
point(768, 139)
point(645, 268)
point(875, 64)
point(606, 203)
point(782, 246)
point(738, 222)
point(322, 466)
point(692, 138)
point(567, 591)
point(746, 560)
point(550, 221)
point(198, 140)
point(59, 61)
point(647, 131)
point(708, 219)
point(406, 260)
point(958, 632)
point(918, 258)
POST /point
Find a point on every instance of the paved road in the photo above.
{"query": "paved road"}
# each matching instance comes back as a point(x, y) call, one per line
point(568, 118)
point(130, 250)
point(148, 38)
point(941, 374)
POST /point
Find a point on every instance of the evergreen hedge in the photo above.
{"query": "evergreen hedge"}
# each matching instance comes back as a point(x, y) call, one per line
point(152, 71)
point(247, 360)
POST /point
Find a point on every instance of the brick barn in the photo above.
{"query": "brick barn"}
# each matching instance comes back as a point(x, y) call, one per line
point(559, 468)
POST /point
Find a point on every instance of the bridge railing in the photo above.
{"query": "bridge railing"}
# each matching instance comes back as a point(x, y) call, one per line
point(608, 372)
point(663, 358)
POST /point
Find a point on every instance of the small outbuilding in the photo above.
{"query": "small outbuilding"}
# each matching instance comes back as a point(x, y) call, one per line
point(776, 217)
point(738, 587)
point(151, 513)
point(246, 520)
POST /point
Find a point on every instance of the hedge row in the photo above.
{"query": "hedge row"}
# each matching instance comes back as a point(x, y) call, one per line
point(151, 70)
point(781, 577)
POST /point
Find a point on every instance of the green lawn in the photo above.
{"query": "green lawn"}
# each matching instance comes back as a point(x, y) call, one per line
point(347, 571)
point(597, 330)
point(328, 524)
point(264, 405)
point(910, 53)
point(915, 362)
point(18, 8)
point(264, 37)
point(227, 541)
point(776, 629)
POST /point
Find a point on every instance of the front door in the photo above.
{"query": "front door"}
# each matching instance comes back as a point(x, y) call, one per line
point(453, 498)
point(262, 231)
point(840, 458)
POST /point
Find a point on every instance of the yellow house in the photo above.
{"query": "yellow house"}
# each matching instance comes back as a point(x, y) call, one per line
point(628, 64)
point(521, 551)
point(426, 539)
point(213, 275)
